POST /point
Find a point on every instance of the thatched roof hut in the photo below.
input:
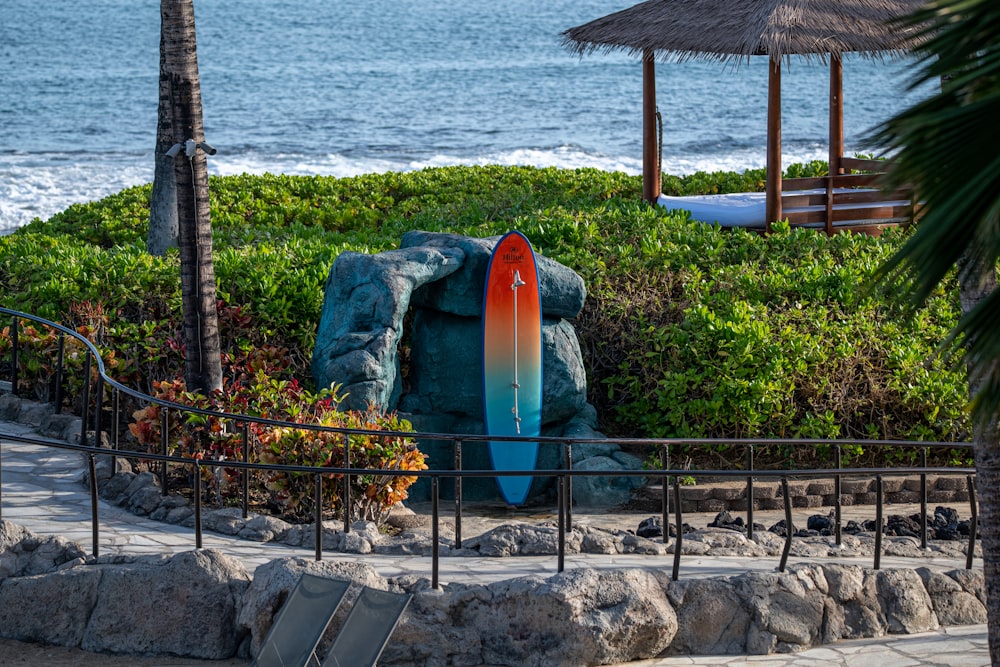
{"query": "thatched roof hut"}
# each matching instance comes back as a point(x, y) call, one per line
point(732, 30)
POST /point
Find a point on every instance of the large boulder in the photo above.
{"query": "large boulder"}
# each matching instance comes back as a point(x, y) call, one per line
point(367, 297)
point(712, 618)
point(853, 606)
point(609, 487)
point(580, 617)
point(439, 280)
point(183, 605)
point(461, 293)
point(365, 300)
point(907, 605)
point(446, 362)
point(51, 609)
point(953, 604)
point(22, 553)
point(787, 609)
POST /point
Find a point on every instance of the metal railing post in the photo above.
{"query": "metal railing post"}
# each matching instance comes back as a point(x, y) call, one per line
point(679, 538)
point(561, 550)
point(318, 516)
point(750, 492)
point(60, 357)
point(665, 498)
point(85, 409)
point(435, 534)
point(458, 495)
point(878, 521)
point(197, 503)
point(116, 415)
point(923, 499)
point(245, 473)
point(973, 522)
point(98, 410)
point(569, 488)
point(164, 446)
point(94, 525)
point(347, 484)
point(15, 353)
point(788, 525)
point(836, 498)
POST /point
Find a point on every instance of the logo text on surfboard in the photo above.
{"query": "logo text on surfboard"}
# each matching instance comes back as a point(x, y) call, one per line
point(512, 256)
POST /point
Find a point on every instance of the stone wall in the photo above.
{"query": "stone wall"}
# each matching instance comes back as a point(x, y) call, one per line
point(731, 496)
point(205, 605)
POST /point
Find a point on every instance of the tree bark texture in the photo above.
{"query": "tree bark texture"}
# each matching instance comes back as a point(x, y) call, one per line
point(976, 281)
point(202, 356)
point(163, 201)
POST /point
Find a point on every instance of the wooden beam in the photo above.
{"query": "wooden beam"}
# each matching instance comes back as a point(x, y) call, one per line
point(650, 147)
point(773, 197)
point(836, 114)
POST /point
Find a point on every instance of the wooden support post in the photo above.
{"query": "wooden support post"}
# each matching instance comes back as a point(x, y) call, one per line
point(836, 114)
point(650, 161)
point(836, 132)
point(773, 197)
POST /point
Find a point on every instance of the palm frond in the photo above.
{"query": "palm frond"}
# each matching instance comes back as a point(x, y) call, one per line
point(947, 148)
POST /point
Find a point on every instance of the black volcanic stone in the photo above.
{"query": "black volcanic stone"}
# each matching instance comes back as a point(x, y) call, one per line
point(780, 529)
point(853, 528)
point(965, 527)
point(945, 516)
point(902, 526)
point(728, 521)
point(820, 523)
point(650, 528)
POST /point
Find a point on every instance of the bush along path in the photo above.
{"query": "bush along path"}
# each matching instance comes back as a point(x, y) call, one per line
point(687, 331)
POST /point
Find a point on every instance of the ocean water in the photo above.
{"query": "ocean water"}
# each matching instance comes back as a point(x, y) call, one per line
point(357, 86)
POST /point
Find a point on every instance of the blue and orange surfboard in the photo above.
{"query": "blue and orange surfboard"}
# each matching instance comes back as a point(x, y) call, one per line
point(512, 361)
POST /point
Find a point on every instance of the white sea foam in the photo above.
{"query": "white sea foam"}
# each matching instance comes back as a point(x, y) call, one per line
point(40, 185)
point(340, 95)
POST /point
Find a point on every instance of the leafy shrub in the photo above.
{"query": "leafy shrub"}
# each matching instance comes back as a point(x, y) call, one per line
point(688, 330)
point(209, 438)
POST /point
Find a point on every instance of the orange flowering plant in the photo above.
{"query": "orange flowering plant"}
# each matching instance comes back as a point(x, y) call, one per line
point(371, 495)
point(292, 495)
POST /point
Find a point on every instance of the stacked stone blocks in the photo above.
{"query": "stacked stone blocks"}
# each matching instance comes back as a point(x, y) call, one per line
point(767, 495)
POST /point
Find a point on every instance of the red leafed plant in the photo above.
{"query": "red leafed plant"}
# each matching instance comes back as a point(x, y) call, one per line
point(252, 390)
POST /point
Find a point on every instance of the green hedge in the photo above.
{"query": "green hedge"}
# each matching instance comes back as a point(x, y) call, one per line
point(688, 330)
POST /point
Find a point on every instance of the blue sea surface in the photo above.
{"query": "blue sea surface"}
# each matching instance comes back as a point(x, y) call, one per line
point(358, 86)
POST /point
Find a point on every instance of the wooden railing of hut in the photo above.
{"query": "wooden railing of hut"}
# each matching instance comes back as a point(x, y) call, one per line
point(849, 201)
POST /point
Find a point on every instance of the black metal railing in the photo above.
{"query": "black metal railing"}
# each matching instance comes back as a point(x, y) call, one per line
point(563, 478)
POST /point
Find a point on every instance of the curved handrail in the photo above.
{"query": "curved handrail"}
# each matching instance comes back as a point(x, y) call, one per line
point(466, 437)
point(564, 476)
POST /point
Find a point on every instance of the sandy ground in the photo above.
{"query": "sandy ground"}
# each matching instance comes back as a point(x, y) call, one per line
point(25, 654)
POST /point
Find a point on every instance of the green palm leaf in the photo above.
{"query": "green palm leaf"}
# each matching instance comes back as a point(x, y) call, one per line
point(947, 148)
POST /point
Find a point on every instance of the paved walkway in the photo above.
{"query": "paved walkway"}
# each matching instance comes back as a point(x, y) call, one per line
point(42, 490)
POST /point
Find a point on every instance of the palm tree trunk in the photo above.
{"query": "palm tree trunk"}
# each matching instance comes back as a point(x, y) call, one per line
point(976, 281)
point(163, 201)
point(202, 356)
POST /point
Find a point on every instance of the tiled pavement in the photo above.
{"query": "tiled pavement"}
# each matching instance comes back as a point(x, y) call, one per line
point(42, 490)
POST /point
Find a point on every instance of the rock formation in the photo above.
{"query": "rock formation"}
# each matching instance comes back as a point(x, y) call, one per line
point(441, 276)
point(203, 604)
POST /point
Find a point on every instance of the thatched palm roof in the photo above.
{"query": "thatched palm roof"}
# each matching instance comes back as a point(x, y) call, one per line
point(731, 30)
